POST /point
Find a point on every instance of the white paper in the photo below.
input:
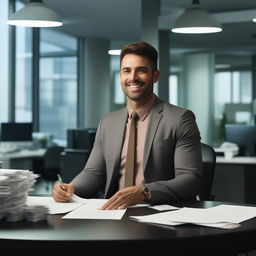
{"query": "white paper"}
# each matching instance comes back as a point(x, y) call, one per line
point(55, 207)
point(222, 216)
point(139, 205)
point(79, 199)
point(90, 211)
point(164, 207)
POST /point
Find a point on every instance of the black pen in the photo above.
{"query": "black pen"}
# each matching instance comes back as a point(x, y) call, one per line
point(61, 182)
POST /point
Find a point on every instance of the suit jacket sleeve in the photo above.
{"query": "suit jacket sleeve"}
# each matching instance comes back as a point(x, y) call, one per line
point(174, 165)
point(90, 182)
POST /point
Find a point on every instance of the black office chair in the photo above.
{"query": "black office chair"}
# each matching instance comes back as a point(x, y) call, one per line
point(208, 169)
point(51, 164)
point(73, 162)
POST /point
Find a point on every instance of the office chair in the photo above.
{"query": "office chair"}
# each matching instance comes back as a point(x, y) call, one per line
point(73, 162)
point(51, 164)
point(208, 169)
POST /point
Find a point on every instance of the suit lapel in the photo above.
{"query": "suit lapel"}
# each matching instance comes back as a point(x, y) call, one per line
point(117, 133)
point(156, 115)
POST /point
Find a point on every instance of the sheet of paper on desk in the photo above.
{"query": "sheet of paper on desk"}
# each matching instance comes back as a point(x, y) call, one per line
point(90, 211)
point(222, 216)
point(54, 207)
point(164, 207)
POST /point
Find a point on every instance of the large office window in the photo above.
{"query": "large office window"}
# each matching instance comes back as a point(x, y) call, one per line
point(232, 87)
point(23, 81)
point(58, 83)
point(4, 48)
point(232, 99)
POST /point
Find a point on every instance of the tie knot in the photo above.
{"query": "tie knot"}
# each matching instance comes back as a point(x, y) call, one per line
point(134, 115)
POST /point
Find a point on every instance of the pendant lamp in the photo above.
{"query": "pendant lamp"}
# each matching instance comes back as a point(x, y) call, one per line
point(196, 20)
point(35, 14)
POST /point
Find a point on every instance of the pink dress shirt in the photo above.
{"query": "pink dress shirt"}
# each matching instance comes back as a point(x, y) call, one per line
point(142, 124)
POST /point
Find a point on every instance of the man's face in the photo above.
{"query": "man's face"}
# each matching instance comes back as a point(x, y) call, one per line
point(137, 77)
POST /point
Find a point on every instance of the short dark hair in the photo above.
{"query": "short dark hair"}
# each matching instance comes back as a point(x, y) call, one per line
point(142, 49)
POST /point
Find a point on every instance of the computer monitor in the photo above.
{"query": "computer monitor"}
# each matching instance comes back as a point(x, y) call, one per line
point(242, 135)
point(81, 138)
point(16, 132)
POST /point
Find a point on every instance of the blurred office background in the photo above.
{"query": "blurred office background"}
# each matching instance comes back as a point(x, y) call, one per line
point(64, 79)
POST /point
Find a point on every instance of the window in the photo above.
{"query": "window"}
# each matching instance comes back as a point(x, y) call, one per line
point(232, 87)
point(4, 48)
point(58, 83)
point(119, 97)
point(232, 100)
point(173, 89)
point(23, 81)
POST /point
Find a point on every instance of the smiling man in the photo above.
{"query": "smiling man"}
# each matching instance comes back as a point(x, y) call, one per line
point(166, 161)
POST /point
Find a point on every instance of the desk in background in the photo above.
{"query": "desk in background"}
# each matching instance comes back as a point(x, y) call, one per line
point(58, 236)
point(238, 160)
point(22, 159)
point(235, 179)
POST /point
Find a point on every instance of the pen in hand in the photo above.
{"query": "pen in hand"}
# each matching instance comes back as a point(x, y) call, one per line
point(61, 182)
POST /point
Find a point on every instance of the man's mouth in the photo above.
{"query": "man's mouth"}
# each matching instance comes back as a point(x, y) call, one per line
point(135, 85)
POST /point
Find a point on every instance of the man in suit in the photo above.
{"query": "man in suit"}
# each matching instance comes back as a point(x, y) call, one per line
point(168, 156)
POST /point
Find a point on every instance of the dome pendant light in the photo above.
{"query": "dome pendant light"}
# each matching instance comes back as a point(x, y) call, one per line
point(35, 14)
point(196, 20)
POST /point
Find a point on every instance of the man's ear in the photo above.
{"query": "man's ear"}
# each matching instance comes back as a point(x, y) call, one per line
point(156, 76)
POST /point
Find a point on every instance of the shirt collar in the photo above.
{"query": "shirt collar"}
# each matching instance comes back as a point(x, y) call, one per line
point(144, 110)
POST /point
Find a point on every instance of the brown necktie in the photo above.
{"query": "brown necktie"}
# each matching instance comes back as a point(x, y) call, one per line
point(131, 153)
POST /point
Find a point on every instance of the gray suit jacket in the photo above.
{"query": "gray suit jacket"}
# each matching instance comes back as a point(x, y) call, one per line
point(172, 155)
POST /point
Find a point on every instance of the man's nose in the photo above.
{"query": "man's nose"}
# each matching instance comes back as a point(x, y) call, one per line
point(133, 76)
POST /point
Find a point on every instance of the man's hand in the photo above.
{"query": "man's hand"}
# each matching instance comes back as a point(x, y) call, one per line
point(63, 192)
point(124, 198)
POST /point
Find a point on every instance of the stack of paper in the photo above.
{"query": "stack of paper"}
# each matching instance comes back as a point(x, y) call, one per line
point(222, 216)
point(36, 213)
point(14, 188)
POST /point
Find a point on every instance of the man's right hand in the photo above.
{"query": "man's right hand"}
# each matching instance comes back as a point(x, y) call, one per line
point(63, 192)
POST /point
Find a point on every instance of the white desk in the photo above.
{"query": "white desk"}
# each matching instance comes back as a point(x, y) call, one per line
point(22, 159)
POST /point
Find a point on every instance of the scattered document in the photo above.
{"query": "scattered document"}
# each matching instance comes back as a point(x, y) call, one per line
point(164, 207)
point(139, 205)
point(222, 216)
point(90, 211)
point(56, 207)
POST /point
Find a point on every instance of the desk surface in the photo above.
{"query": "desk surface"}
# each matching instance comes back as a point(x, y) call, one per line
point(65, 236)
point(25, 153)
point(236, 160)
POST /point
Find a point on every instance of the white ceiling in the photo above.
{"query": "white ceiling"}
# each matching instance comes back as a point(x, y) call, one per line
point(119, 21)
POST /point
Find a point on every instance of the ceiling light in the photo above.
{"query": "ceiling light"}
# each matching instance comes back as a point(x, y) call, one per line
point(35, 14)
point(222, 66)
point(114, 52)
point(196, 20)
